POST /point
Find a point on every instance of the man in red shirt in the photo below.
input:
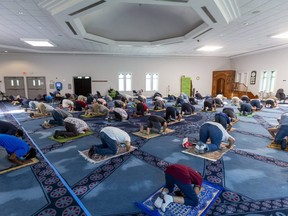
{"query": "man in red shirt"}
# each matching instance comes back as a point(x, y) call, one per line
point(188, 180)
point(79, 104)
point(141, 108)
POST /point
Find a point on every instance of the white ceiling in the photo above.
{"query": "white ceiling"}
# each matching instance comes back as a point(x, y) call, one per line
point(143, 27)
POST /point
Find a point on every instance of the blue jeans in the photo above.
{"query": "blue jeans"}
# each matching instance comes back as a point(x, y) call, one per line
point(57, 118)
point(32, 105)
point(221, 119)
point(256, 103)
point(180, 101)
point(281, 133)
point(246, 108)
point(190, 197)
point(212, 132)
point(108, 146)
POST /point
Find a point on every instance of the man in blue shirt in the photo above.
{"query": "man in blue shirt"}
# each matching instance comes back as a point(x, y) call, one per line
point(18, 150)
point(281, 131)
point(224, 120)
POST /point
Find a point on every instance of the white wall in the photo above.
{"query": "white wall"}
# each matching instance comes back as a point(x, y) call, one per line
point(274, 60)
point(56, 67)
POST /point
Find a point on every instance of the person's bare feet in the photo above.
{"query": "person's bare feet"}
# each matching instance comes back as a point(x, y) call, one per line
point(231, 142)
point(91, 151)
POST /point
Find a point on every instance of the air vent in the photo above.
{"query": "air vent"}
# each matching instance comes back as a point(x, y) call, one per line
point(207, 12)
point(87, 8)
point(202, 33)
point(71, 28)
point(95, 41)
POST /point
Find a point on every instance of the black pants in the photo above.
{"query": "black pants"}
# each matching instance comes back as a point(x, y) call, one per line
point(71, 130)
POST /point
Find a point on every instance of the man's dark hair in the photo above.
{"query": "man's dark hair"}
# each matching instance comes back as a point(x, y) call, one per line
point(31, 154)
point(19, 133)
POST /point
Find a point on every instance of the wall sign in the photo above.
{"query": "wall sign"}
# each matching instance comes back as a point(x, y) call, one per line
point(253, 78)
point(58, 85)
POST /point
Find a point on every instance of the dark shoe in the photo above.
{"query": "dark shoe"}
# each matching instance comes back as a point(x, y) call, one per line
point(91, 151)
point(56, 134)
point(179, 193)
point(283, 144)
point(31, 115)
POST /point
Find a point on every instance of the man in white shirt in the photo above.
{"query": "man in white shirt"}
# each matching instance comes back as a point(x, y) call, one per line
point(110, 137)
point(44, 109)
point(66, 103)
point(216, 133)
point(120, 114)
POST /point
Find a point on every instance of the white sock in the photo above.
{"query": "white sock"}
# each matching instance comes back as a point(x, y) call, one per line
point(167, 200)
point(158, 202)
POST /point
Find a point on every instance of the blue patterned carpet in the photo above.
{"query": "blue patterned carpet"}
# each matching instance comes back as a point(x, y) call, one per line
point(253, 177)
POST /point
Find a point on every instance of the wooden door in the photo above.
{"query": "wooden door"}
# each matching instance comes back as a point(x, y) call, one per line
point(222, 83)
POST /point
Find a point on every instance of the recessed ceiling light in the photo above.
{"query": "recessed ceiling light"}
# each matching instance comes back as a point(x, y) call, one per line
point(38, 42)
point(5, 51)
point(20, 12)
point(209, 48)
point(282, 35)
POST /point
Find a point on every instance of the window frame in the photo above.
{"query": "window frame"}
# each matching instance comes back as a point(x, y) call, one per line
point(152, 82)
point(125, 82)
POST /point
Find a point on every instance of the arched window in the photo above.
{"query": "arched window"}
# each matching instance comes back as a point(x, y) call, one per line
point(268, 80)
point(124, 81)
point(121, 82)
point(152, 80)
point(263, 83)
point(272, 81)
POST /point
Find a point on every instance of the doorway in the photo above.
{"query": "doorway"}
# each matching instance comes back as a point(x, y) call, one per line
point(35, 86)
point(220, 88)
point(82, 85)
point(223, 82)
point(14, 86)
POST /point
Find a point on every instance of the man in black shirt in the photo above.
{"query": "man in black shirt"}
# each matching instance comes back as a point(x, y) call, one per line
point(10, 129)
point(155, 123)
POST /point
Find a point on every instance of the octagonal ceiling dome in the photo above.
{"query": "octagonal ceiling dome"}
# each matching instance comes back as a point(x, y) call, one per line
point(135, 22)
point(140, 22)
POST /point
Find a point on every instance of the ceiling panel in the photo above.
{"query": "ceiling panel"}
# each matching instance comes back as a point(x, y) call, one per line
point(122, 21)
